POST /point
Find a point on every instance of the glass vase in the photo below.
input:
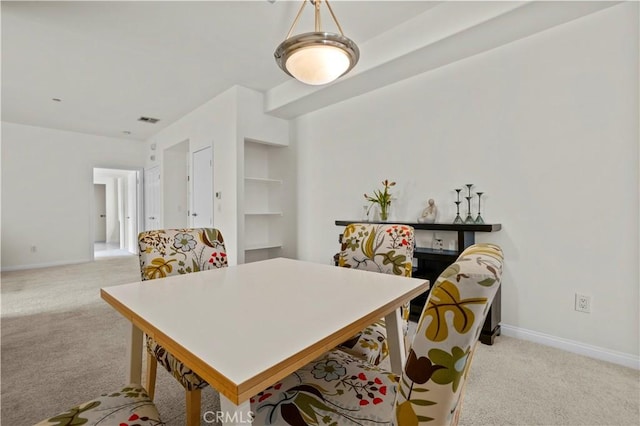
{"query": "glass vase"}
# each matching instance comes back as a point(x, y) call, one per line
point(384, 212)
point(365, 213)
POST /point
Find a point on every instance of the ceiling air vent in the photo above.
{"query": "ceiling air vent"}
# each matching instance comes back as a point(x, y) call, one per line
point(149, 120)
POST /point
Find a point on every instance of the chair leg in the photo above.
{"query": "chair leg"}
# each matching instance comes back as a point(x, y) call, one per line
point(152, 368)
point(193, 407)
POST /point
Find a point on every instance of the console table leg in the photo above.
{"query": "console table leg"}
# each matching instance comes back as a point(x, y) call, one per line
point(491, 326)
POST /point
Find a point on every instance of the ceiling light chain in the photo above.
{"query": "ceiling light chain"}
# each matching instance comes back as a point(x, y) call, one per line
point(318, 24)
point(334, 17)
point(295, 21)
point(316, 3)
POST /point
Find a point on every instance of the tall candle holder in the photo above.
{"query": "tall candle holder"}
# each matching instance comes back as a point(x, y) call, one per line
point(469, 186)
point(469, 218)
point(479, 219)
point(458, 219)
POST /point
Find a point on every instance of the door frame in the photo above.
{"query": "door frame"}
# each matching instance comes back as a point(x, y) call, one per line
point(139, 201)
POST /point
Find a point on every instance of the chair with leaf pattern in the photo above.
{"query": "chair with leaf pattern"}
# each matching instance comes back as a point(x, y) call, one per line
point(128, 406)
point(383, 248)
point(171, 252)
point(338, 388)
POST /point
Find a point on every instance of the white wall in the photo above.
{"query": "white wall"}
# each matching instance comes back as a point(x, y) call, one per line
point(47, 192)
point(547, 127)
point(212, 124)
point(176, 186)
point(223, 123)
point(255, 125)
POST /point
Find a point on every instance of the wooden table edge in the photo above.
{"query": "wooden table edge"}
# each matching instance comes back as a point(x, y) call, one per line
point(239, 393)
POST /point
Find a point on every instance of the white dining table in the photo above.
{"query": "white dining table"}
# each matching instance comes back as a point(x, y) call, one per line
point(245, 327)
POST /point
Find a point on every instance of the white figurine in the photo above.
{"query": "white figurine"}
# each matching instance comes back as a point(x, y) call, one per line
point(429, 214)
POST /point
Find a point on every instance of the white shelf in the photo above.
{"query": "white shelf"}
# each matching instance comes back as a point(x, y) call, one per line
point(264, 180)
point(263, 208)
point(262, 246)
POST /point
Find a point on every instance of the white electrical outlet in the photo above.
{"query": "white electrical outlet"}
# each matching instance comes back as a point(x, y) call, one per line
point(583, 303)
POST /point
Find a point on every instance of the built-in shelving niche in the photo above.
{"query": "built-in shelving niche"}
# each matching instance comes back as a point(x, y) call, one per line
point(263, 200)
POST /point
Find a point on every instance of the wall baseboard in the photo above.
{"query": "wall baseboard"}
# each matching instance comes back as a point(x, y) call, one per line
point(620, 358)
point(42, 265)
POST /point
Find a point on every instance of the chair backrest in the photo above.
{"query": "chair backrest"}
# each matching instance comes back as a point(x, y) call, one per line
point(386, 248)
point(168, 252)
point(432, 382)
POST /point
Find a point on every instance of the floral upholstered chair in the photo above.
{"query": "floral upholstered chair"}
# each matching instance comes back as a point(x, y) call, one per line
point(338, 388)
point(172, 252)
point(387, 249)
point(129, 406)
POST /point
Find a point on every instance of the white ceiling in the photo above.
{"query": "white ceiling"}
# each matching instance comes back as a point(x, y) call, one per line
point(112, 62)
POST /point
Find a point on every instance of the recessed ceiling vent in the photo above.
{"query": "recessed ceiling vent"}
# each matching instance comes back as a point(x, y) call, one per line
point(150, 120)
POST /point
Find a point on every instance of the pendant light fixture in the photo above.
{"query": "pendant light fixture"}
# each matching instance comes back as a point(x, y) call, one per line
point(317, 57)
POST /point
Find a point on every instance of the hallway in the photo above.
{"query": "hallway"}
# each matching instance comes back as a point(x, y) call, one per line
point(102, 249)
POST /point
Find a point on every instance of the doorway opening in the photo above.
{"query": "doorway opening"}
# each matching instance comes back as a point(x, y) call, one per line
point(116, 212)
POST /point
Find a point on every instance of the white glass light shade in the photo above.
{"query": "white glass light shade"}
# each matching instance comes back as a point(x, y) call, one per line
point(317, 65)
point(317, 58)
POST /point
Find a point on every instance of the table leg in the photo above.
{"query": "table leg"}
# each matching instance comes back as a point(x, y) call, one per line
point(395, 339)
point(134, 355)
point(231, 414)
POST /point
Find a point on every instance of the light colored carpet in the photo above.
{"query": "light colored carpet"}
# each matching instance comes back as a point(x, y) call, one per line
point(61, 345)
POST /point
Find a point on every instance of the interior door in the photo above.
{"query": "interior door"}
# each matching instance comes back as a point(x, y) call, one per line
point(100, 230)
point(131, 228)
point(122, 201)
point(152, 198)
point(202, 184)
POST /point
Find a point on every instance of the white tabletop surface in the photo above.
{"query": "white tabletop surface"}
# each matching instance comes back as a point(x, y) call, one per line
point(242, 321)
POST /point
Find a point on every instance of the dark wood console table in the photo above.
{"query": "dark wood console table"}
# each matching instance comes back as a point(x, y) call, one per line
point(432, 262)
